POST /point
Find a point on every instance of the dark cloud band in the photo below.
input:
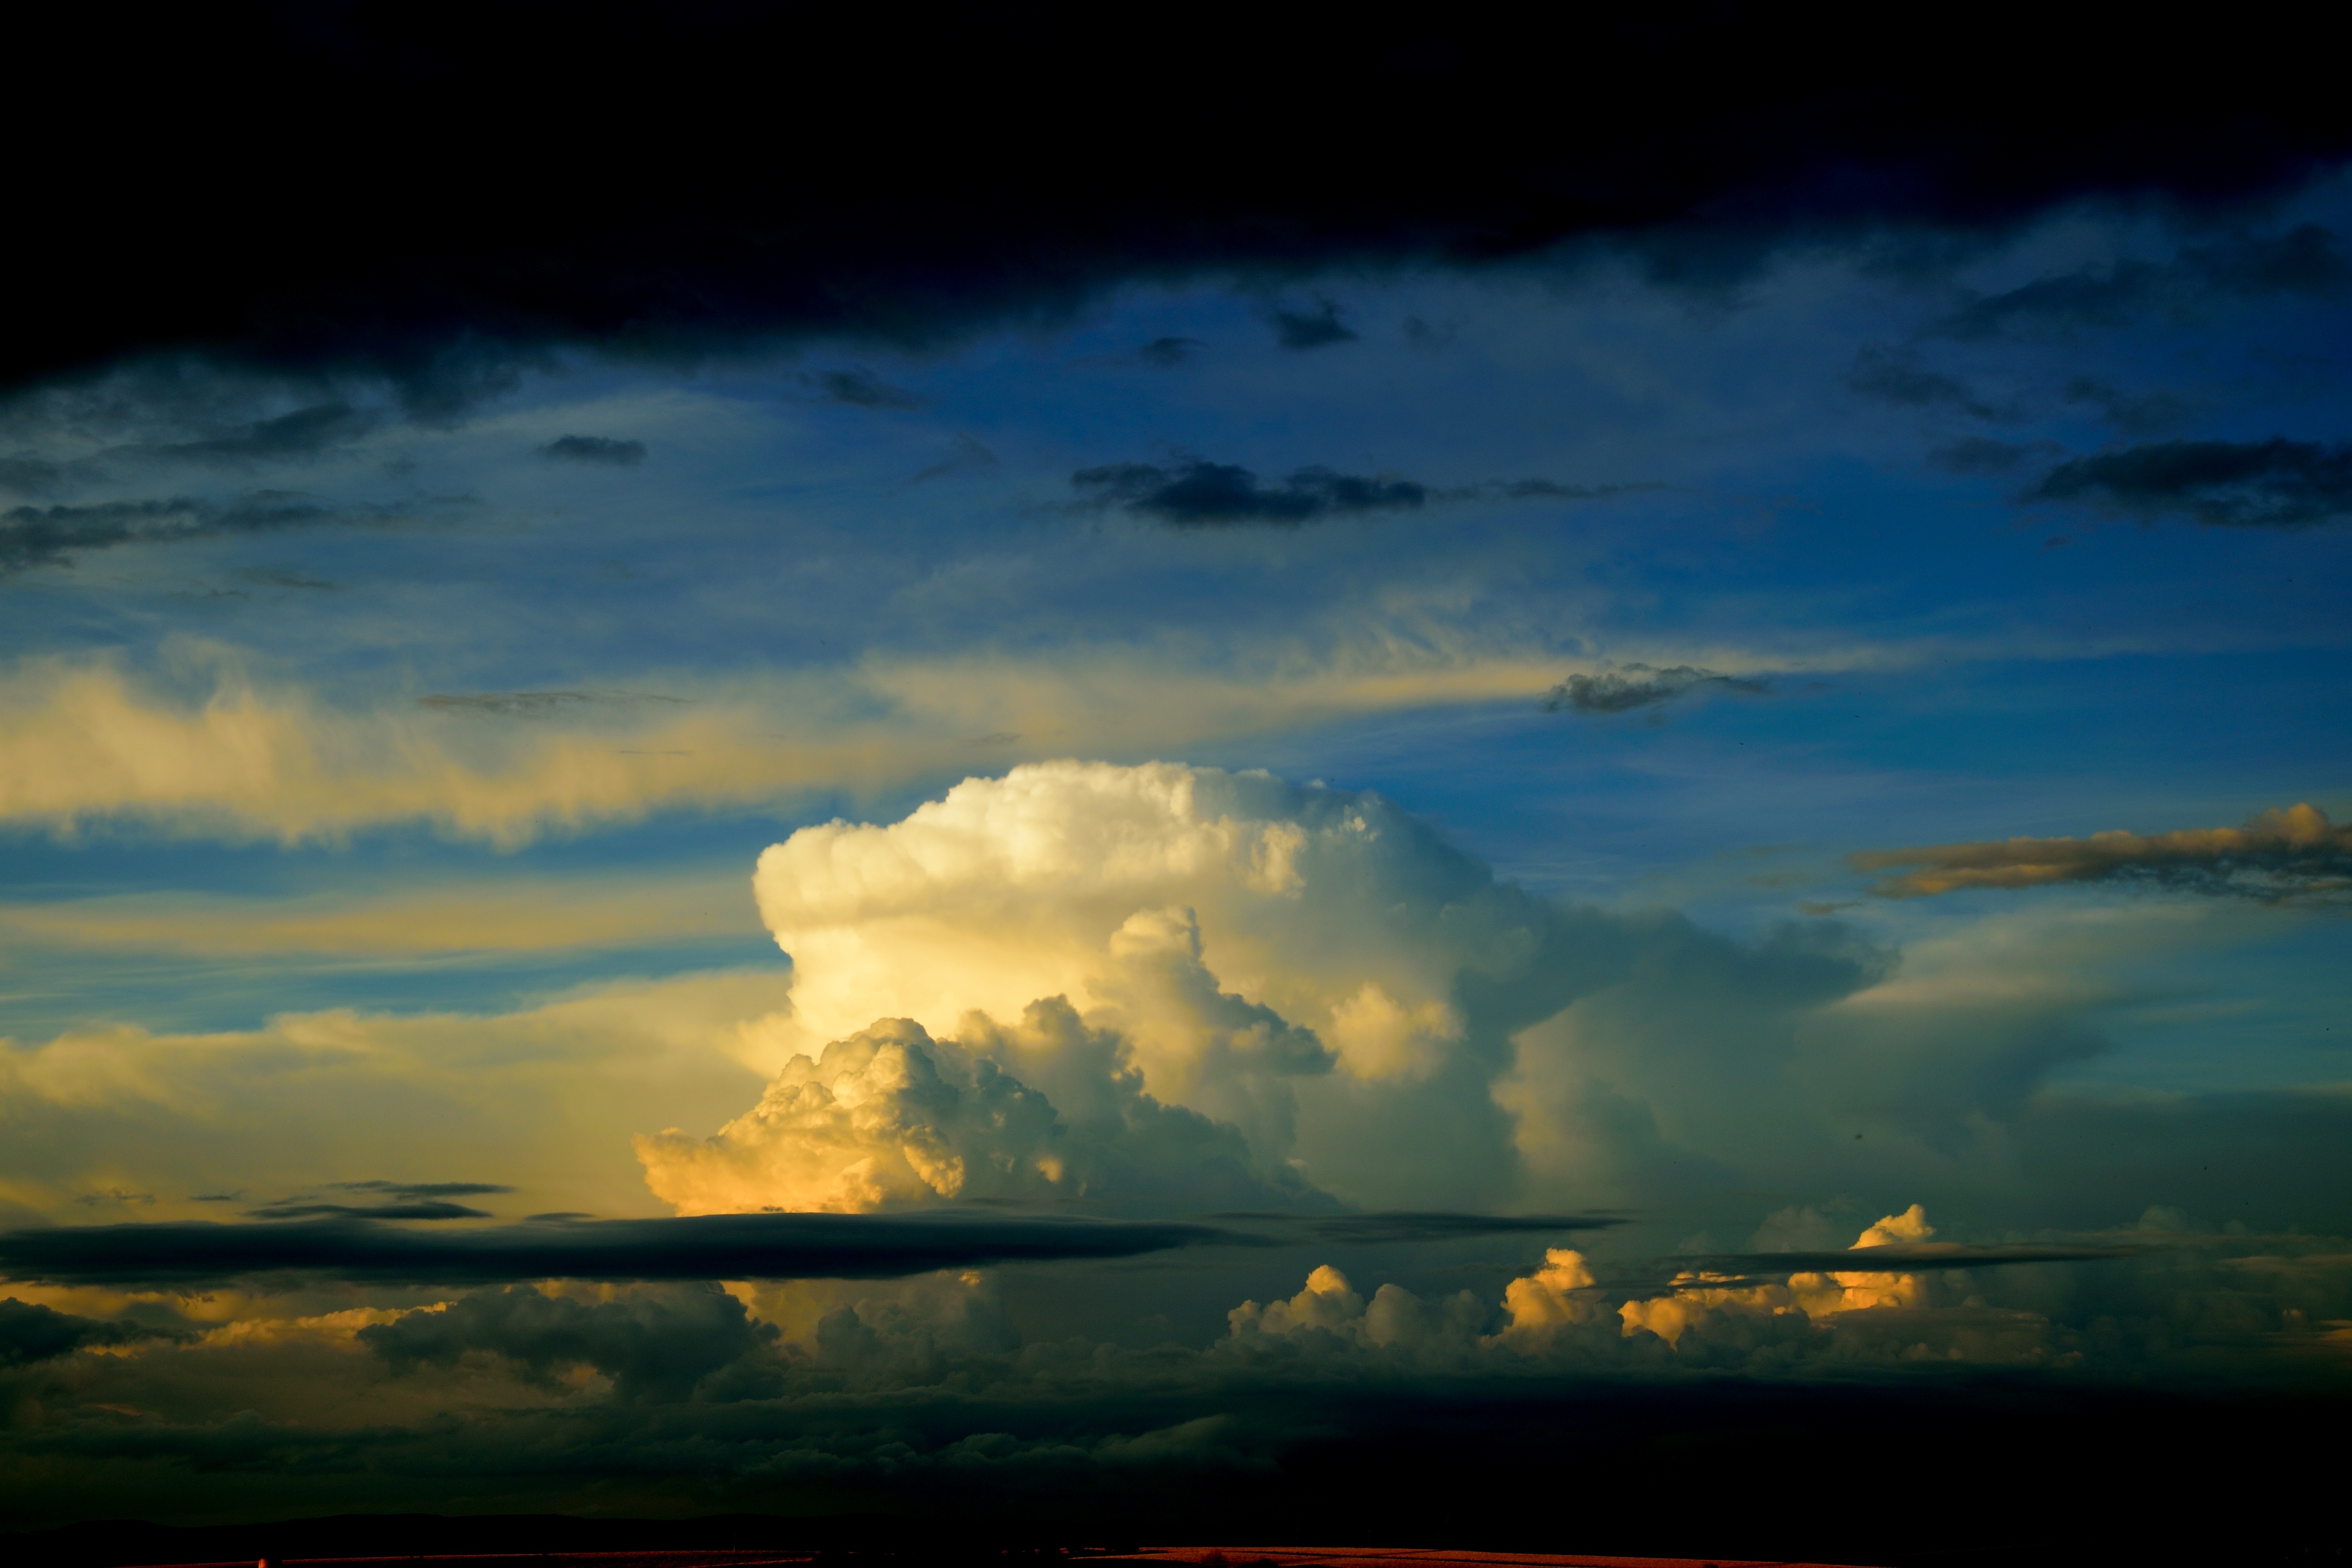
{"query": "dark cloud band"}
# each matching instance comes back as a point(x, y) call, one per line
point(715, 1247)
point(1709, 137)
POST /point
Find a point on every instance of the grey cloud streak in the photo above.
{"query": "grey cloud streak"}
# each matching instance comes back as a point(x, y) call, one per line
point(2297, 854)
point(34, 536)
point(2277, 483)
point(1631, 686)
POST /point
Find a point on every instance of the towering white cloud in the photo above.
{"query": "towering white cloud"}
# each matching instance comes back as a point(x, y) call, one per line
point(1283, 959)
point(890, 1116)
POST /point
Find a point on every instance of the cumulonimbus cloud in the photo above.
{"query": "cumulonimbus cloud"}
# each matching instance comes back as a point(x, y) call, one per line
point(2296, 853)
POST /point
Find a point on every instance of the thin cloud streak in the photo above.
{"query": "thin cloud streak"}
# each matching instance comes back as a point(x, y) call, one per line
point(2279, 857)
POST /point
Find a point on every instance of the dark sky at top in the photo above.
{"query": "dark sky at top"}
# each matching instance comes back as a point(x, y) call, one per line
point(425, 191)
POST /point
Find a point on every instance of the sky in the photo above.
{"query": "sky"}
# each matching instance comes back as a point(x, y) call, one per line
point(1256, 790)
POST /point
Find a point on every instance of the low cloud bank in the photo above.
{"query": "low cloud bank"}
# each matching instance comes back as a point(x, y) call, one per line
point(732, 1247)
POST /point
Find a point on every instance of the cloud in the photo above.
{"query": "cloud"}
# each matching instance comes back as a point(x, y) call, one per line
point(890, 1117)
point(303, 433)
point(34, 536)
point(496, 914)
point(2307, 259)
point(2137, 414)
point(284, 577)
point(86, 742)
point(601, 450)
point(715, 1247)
point(1421, 1225)
point(2276, 483)
point(30, 1334)
point(671, 237)
point(1982, 455)
point(423, 1189)
point(1896, 377)
point(1195, 492)
point(969, 457)
point(422, 1210)
point(1631, 686)
point(653, 1345)
point(538, 704)
point(1552, 489)
point(1316, 329)
point(860, 389)
point(1168, 353)
point(1208, 918)
point(2292, 855)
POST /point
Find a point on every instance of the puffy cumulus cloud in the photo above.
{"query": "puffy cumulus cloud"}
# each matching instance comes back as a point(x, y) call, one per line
point(1699, 1298)
point(1310, 965)
point(890, 1116)
point(1559, 1295)
point(2290, 854)
point(1329, 1311)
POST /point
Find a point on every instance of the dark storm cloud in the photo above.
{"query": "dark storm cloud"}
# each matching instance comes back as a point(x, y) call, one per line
point(601, 449)
point(423, 1189)
point(55, 535)
point(1417, 1226)
point(2297, 854)
point(654, 1346)
point(2277, 483)
point(1315, 328)
point(1194, 492)
point(716, 1246)
point(1633, 686)
point(30, 1334)
point(1706, 138)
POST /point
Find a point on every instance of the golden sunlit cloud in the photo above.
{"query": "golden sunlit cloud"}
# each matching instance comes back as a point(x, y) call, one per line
point(458, 915)
point(248, 760)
